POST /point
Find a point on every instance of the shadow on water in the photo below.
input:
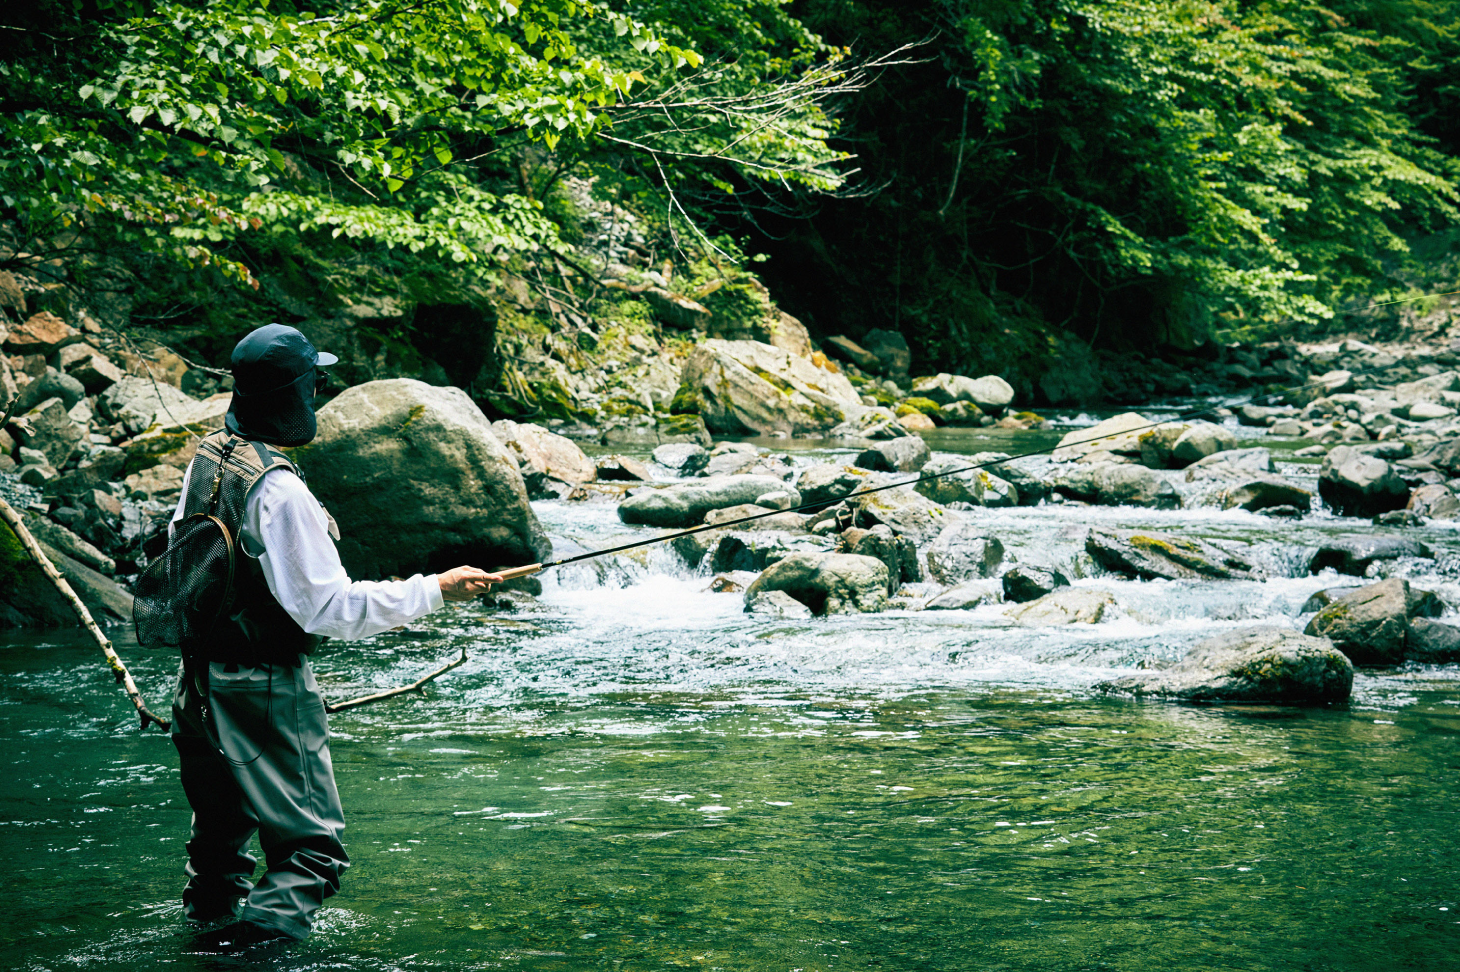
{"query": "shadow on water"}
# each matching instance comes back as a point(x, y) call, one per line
point(638, 775)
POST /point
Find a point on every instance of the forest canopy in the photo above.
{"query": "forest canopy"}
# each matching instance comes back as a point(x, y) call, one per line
point(990, 177)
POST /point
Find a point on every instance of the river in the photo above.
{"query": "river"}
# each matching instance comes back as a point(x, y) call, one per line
point(634, 774)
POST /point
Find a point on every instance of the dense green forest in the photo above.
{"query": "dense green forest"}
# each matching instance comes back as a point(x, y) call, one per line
point(1008, 183)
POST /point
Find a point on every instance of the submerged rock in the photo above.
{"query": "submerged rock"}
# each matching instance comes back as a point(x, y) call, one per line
point(1025, 583)
point(1267, 493)
point(1355, 484)
point(1068, 605)
point(1354, 555)
point(1371, 625)
point(827, 583)
point(1149, 555)
point(418, 482)
point(685, 504)
point(776, 604)
point(1254, 665)
point(966, 596)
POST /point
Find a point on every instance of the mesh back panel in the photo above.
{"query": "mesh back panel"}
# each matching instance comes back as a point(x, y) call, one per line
point(182, 593)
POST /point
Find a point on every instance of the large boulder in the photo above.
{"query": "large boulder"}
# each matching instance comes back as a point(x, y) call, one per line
point(1118, 434)
point(827, 583)
point(955, 482)
point(1149, 555)
point(891, 350)
point(1371, 625)
point(1232, 464)
point(1025, 582)
point(1432, 642)
point(907, 454)
point(93, 369)
point(1355, 484)
point(48, 428)
point(685, 458)
point(417, 482)
point(898, 553)
point(138, 402)
point(43, 333)
point(1252, 665)
point(907, 513)
point(745, 387)
point(1068, 605)
point(550, 463)
point(1353, 555)
point(52, 384)
point(1202, 440)
point(28, 599)
point(828, 483)
point(685, 504)
point(1157, 443)
point(990, 393)
point(1434, 500)
point(961, 552)
point(1115, 484)
point(173, 439)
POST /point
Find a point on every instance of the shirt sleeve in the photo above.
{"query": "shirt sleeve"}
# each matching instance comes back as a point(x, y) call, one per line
point(286, 529)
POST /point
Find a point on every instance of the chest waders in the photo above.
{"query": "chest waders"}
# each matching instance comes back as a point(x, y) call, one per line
point(249, 721)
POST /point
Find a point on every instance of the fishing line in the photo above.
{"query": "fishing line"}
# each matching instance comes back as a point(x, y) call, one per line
point(927, 477)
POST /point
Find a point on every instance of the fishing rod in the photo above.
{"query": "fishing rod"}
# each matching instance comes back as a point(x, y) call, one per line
point(530, 569)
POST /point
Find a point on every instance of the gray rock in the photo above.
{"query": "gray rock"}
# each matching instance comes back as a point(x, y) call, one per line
point(891, 350)
point(103, 597)
point(665, 429)
point(749, 387)
point(907, 513)
point(1232, 464)
point(1254, 665)
point(547, 461)
point(869, 422)
point(779, 499)
point(907, 454)
point(1149, 555)
point(52, 384)
point(966, 596)
point(685, 458)
point(418, 482)
point(162, 483)
point(1436, 501)
point(1399, 518)
point(960, 552)
point(139, 402)
point(749, 464)
point(756, 550)
point(68, 543)
point(1444, 456)
point(1354, 484)
point(1156, 444)
point(1353, 555)
point(1025, 583)
point(1265, 493)
point(1068, 605)
point(828, 583)
point(898, 553)
point(1201, 441)
point(685, 504)
point(1432, 643)
point(622, 469)
point(1371, 625)
point(767, 518)
point(981, 487)
point(990, 393)
point(1115, 484)
point(89, 366)
point(1118, 434)
point(776, 604)
point(48, 429)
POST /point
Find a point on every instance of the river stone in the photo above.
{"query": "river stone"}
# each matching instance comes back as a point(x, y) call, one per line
point(685, 504)
point(685, 458)
point(907, 513)
point(1432, 642)
point(665, 429)
point(1436, 501)
point(1371, 625)
point(966, 596)
point(1444, 456)
point(1068, 605)
point(1428, 389)
point(48, 429)
point(163, 483)
point(1025, 582)
point(776, 604)
point(827, 583)
point(754, 551)
point(1354, 484)
point(749, 464)
point(1115, 484)
point(868, 422)
point(1266, 493)
point(961, 552)
point(898, 553)
point(827, 484)
point(849, 350)
point(545, 458)
point(1353, 555)
point(622, 469)
point(102, 465)
point(1156, 444)
point(990, 393)
point(418, 482)
point(52, 384)
point(907, 454)
point(1119, 434)
point(768, 519)
point(1232, 464)
point(1202, 440)
point(980, 487)
point(891, 350)
point(745, 387)
point(138, 402)
point(1424, 411)
point(1150, 555)
point(1252, 665)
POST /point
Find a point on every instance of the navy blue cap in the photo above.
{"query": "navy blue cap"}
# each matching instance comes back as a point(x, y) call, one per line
point(273, 356)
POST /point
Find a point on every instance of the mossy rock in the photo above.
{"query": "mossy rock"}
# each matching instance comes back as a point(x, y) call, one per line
point(683, 428)
point(621, 407)
point(27, 596)
point(687, 401)
point(925, 406)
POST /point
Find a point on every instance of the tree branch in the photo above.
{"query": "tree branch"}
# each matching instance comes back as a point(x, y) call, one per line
point(415, 686)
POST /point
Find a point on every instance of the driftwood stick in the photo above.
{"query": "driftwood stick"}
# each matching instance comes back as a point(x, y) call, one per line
point(123, 677)
point(392, 693)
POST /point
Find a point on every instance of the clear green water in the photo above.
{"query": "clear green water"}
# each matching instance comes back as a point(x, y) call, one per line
point(637, 775)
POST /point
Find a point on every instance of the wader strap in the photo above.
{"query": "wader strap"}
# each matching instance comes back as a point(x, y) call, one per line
point(263, 451)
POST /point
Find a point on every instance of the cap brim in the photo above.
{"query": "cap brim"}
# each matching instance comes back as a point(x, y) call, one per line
point(325, 360)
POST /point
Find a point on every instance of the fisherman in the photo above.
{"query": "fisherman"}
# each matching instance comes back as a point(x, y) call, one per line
point(248, 719)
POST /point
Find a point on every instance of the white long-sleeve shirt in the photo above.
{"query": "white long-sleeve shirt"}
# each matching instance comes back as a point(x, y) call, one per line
point(287, 531)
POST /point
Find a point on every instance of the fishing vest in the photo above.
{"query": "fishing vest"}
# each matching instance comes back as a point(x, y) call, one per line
point(254, 628)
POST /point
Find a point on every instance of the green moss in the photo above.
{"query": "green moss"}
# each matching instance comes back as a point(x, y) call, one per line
point(687, 401)
point(623, 407)
point(737, 306)
point(681, 425)
point(416, 412)
point(923, 406)
point(775, 381)
point(1028, 416)
point(144, 453)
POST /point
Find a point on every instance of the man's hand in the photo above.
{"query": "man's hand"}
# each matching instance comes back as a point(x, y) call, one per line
point(465, 583)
